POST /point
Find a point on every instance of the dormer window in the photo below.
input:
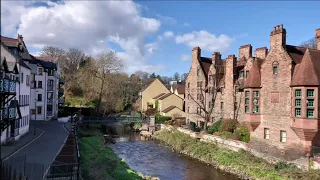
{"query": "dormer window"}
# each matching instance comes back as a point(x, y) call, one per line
point(40, 71)
point(275, 68)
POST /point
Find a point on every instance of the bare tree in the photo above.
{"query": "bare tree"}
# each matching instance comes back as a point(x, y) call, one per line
point(107, 63)
point(312, 43)
point(52, 51)
point(176, 76)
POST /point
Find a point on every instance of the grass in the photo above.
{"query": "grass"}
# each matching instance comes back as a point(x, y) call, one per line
point(242, 162)
point(100, 162)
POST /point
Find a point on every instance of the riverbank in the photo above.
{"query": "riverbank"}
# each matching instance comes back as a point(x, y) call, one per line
point(100, 162)
point(241, 163)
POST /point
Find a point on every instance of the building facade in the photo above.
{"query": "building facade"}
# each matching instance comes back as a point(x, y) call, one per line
point(26, 82)
point(275, 93)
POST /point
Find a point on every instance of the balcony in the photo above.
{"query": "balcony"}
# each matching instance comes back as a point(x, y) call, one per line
point(7, 86)
point(8, 113)
point(61, 91)
point(61, 101)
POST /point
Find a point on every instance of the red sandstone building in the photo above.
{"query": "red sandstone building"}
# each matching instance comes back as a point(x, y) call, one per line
point(275, 93)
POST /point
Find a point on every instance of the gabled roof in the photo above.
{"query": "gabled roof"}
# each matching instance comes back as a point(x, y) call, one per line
point(45, 64)
point(46, 58)
point(205, 64)
point(159, 95)
point(14, 43)
point(181, 88)
point(254, 78)
point(147, 84)
point(296, 52)
point(307, 73)
point(168, 109)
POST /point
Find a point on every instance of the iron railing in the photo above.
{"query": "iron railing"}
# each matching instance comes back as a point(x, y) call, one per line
point(7, 86)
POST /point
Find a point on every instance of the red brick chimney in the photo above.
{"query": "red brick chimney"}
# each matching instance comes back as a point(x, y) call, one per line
point(245, 51)
point(278, 37)
point(318, 38)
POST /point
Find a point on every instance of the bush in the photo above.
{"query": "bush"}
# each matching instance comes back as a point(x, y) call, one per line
point(229, 125)
point(193, 126)
point(216, 127)
point(162, 119)
point(243, 132)
point(197, 129)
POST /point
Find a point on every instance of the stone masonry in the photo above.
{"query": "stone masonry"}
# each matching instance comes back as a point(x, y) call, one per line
point(259, 91)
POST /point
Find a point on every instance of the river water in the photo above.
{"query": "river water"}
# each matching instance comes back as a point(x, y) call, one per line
point(154, 158)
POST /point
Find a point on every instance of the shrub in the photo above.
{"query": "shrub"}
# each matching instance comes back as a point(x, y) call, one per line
point(162, 119)
point(229, 125)
point(216, 127)
point(243, 132)
point(197, 129)
point(226, 134)
point(193, 126)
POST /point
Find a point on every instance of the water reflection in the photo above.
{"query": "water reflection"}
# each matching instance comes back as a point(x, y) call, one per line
point(152, 157)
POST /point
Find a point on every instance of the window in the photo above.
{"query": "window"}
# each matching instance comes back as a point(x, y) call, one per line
point(310, 113)
point(188, 85)
point(255, 102)
point(298, 92)
point(275, 70)
point(188, 96)
point(33, 111)
point(39, 84)
point(21, 79)
point(298, 112)
point(221, 106)
point(188, 109)
point(283, 136)
point(39, 110)
point(27, 80)
point(241, 74)
point(39, 97)
point(198, 110)
point(247, 74)
point(310, 93)
point(266, 133)
point(247, 100)
point(40, 71)
point(198, 72)
point(298, 102)
point(50, 72)
point(197, 96)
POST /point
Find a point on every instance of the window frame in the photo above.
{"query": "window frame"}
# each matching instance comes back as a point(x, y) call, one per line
point(266, 133)
point(283, 139)
point(256, 107)
point(39, 107)
point(247, 101)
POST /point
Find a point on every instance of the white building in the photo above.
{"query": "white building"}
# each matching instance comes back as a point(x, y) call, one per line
point(13, 67)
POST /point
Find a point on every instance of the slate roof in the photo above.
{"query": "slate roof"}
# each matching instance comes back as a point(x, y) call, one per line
point(168, 109)
point(307, 72)
point(296, 52)
point(14, 43)
point(45, 64)
point(254, 78)
point(181, 88)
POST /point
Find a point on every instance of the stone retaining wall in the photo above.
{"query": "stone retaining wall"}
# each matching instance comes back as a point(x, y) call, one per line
point(302, 163)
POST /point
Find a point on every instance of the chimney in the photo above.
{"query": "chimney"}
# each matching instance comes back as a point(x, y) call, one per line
point(196, 53)
point(229, 84)
point(245, 51)
point(261, 52)
point(216, 57)
point(231, 63)
point(318, 38)
point(20, 38)
point(278, 37)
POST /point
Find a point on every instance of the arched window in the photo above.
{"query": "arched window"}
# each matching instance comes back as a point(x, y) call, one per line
point(275, 68)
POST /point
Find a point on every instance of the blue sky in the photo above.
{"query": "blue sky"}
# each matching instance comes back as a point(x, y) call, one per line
point(216, 25)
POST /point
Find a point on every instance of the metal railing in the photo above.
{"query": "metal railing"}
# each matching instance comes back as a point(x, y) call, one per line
point(7, 86)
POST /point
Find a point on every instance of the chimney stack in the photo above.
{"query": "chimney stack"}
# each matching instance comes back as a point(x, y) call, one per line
point(278, 37)
point(261, 52)
point(216, 57)
point(318, 38)
point(196, 53)
point(245, 51)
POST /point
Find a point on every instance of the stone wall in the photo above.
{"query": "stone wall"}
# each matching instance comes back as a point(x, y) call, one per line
point(302, 162)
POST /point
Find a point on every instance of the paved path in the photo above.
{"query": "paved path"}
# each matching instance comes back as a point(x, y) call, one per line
point(41, 152)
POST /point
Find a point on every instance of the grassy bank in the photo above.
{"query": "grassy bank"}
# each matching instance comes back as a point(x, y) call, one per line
point(99, 162)
point(242, 163)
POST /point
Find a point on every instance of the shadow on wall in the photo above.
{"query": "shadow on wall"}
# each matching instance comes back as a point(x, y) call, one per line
point(290, 153)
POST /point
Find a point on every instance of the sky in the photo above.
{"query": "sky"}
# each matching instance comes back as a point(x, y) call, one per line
point(156, 36)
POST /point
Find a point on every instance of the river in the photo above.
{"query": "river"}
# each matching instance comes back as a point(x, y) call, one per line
point(154, 158)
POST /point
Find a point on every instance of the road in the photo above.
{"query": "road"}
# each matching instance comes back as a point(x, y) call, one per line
point(39, 154)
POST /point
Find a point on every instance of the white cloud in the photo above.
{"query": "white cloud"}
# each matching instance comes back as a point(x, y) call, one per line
point(168, 34)
point(185, 57)
point(84, 25)
point(166, 19)
point(205, 40)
